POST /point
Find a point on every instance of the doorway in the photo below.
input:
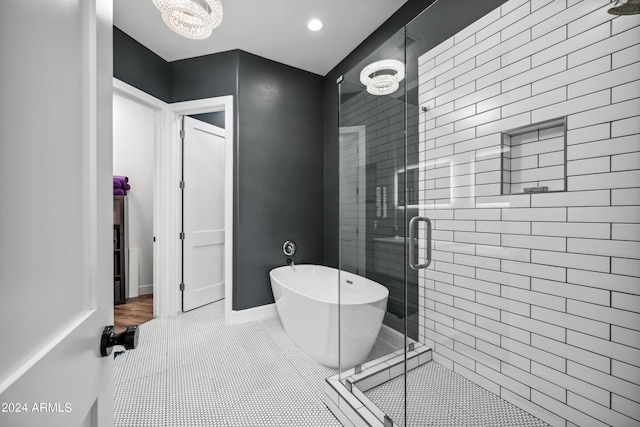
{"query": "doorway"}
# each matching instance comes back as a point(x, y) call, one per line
point(167, 216)
point(171, 195)
point(133, 146)
point(203, 233)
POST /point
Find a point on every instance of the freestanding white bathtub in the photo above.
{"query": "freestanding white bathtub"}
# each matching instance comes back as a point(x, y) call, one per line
point(307, 302)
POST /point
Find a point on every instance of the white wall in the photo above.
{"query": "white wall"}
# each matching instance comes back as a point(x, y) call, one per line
point(133, 144)
point(536, 297)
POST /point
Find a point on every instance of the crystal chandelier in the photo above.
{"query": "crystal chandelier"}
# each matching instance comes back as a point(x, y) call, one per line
point(382, 84)
point(194, 19)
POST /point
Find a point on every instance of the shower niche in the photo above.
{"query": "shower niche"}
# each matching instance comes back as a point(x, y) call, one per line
point(534, 158)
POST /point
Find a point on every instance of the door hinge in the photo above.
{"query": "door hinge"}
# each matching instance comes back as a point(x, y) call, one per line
point(182, 185)
point(182, 235)
point(182, 286)
point(181, 133)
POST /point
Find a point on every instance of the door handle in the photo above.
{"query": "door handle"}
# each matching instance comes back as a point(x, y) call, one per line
point(128, 338)
point(412, 247)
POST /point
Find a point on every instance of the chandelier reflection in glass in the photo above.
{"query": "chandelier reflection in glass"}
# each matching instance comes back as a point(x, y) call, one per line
point(382, 77)
point(194, 19)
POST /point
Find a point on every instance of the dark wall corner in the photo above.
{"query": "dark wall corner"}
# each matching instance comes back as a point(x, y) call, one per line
point(278, 150)
point(204, 76)
point(139, 67)
point(280, 173)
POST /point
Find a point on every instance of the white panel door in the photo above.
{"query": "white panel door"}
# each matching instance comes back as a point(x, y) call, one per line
point(203, 171)
point(56, 214)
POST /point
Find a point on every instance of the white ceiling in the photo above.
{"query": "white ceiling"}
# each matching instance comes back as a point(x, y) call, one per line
point(273, 29)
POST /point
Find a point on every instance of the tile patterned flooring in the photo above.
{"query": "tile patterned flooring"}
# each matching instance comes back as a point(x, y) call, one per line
point(449, 400)
point(194, 370)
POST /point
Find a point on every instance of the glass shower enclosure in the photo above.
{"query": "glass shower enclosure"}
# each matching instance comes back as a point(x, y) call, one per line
point(393, 183)
point(398, 177)
point(489, 182)
point(379, 215)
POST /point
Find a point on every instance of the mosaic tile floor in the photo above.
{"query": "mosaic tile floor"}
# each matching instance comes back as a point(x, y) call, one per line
point(437, 396)
point(195, 370)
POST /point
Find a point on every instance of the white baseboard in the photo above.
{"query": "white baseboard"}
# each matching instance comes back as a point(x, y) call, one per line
point(145, 289)
point(252, 314)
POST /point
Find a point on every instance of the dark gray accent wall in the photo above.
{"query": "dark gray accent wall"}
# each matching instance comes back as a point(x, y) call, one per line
point(279, 175)
point(278, 153)
point(204, 77)
point(216, 119)
point(286, 140)
point(278, 166)
point(136, 65)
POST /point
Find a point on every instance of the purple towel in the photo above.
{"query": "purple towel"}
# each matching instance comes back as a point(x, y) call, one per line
point(123, 180)
point(126, 187)
point(117, 183)
point(119, 192)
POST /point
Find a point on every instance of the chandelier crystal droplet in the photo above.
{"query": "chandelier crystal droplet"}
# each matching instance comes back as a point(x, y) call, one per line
point(191, 18)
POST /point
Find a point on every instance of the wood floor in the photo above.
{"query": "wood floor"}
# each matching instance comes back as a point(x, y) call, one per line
point(136, 311)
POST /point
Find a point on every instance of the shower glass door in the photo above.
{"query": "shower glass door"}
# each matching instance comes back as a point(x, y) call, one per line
point(378, 194)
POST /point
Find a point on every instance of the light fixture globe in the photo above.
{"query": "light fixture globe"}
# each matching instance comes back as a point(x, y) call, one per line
point(191, 18)
point(385, 83)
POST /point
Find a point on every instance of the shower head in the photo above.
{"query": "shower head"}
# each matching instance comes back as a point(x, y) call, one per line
point(628, 7)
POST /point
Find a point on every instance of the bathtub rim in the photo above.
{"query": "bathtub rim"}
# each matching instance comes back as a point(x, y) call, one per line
point(341, 303)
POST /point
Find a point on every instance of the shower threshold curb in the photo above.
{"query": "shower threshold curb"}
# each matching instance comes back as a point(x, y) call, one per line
point(346, 399)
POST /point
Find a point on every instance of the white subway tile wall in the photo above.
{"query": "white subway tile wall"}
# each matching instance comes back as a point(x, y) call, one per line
point(536, 297)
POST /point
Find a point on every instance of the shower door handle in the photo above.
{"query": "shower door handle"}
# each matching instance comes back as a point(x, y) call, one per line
point(413, 255)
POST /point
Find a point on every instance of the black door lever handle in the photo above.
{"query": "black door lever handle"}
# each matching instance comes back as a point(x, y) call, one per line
point(128, 338)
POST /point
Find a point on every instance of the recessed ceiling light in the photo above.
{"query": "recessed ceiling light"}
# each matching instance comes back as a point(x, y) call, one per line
point(315, 24)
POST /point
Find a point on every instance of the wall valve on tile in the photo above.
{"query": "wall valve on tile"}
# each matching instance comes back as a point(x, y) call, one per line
point(289, 248)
